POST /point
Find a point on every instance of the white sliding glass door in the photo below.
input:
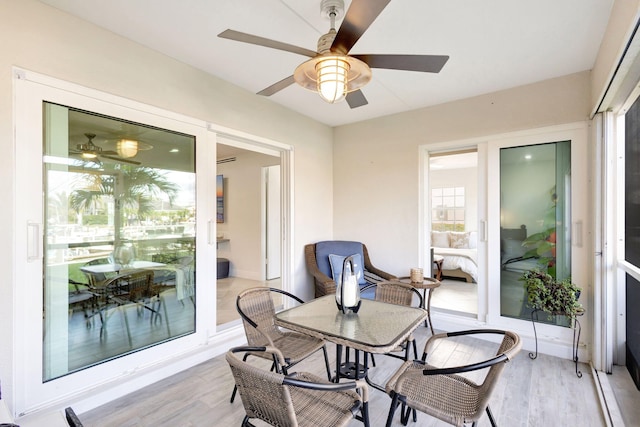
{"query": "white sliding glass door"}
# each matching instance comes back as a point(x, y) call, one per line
point(111, 221)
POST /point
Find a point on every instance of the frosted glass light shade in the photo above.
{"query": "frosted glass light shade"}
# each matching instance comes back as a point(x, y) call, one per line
point(127, 148)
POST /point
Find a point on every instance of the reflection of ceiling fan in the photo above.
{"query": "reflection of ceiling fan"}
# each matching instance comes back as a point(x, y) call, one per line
point(92, 152)
point(331, 71)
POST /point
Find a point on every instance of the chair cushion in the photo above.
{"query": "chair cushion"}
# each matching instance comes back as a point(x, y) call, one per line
point(337, 262)
point(337, 247)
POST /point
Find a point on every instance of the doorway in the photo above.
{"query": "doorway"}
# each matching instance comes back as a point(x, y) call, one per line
point(249, 236)
point(453, 223)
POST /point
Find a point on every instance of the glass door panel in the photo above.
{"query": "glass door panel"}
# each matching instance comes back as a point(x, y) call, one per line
point(119, 234)
point(535, 218)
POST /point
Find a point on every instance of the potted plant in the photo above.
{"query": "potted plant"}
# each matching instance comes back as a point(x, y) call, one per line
point(554, 297)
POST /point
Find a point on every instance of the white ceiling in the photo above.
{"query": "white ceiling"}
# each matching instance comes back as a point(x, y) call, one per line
point(492, 44)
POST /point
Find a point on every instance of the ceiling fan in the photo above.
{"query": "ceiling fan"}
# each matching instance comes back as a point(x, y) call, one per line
point(331, 71)
point(92, 152)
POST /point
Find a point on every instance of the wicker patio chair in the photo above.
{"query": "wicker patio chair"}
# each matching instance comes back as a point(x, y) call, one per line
point(72, 418)
point(298, 399)
point(442, 392)
point(257, 310)
point(401, 294)
point(319, 267)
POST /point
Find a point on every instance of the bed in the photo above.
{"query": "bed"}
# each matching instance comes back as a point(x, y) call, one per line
point(459, 252)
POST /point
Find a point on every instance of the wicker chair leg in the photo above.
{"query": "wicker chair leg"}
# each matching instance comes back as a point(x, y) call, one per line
point(365, 414)
point(405, 411)
point(491, 419)
point(393, 407)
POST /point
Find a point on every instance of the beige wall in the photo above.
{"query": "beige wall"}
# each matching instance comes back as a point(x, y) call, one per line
point(376, 163)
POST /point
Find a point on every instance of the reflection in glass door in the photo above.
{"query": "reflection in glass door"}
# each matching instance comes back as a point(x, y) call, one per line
point(119, 236)
point(535, 218)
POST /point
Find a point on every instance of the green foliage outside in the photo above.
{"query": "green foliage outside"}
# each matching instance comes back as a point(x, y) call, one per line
point(95, 220)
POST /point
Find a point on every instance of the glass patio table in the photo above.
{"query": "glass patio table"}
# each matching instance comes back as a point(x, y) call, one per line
point(378, 328)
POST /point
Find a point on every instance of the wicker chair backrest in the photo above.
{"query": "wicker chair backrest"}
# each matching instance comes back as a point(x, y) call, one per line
point(509, 347)
point(258, 305)
point(262, 392)
point(395, 293)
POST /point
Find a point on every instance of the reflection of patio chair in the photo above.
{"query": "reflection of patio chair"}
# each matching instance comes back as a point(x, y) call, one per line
point(178, 274)
point(80, 294)
point(131, 287)
point(97, 279)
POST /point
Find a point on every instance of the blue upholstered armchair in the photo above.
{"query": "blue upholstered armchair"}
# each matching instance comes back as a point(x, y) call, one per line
point(324, 262)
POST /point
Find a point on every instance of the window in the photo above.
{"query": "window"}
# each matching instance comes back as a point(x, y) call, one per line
point(119, 238)
point(448, 209)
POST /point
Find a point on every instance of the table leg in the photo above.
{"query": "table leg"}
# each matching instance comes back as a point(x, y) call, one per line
point(351, 370)
point(438, 270)
point(336, 379)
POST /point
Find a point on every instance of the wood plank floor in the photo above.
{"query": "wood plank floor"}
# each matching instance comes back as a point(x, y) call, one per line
point(542, 392)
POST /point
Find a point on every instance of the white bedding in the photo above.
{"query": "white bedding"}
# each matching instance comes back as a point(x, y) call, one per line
point(464, 259)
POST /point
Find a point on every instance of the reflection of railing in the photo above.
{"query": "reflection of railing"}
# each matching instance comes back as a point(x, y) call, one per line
point(145, 247)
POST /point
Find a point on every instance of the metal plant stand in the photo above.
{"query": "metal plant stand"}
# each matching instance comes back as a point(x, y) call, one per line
point(577, 328)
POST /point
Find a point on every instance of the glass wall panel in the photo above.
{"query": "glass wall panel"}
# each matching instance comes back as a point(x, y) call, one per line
point(119, 238)
point(632, 237)
point(535, 218)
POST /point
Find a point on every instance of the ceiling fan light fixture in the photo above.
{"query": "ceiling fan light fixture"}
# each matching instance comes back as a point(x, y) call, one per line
point(89, 155)
point(332, 76)
point(127, 148)
point(331, 80)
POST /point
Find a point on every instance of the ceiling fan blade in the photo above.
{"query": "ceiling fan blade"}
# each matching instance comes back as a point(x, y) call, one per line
point(109, 152)
point(261, 41)
point(356, 99)
point(360, 15)
point(277, 87)
point(424, 63)
point(120, 159)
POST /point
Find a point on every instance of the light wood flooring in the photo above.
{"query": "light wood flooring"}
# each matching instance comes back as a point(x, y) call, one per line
point(541, 392)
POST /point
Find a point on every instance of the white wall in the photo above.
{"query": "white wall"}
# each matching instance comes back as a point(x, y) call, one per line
point(39, 38)
point(243, 214)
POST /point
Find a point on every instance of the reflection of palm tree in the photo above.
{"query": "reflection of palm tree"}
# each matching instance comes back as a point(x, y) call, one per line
point(131, 187)
point(57, 207)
